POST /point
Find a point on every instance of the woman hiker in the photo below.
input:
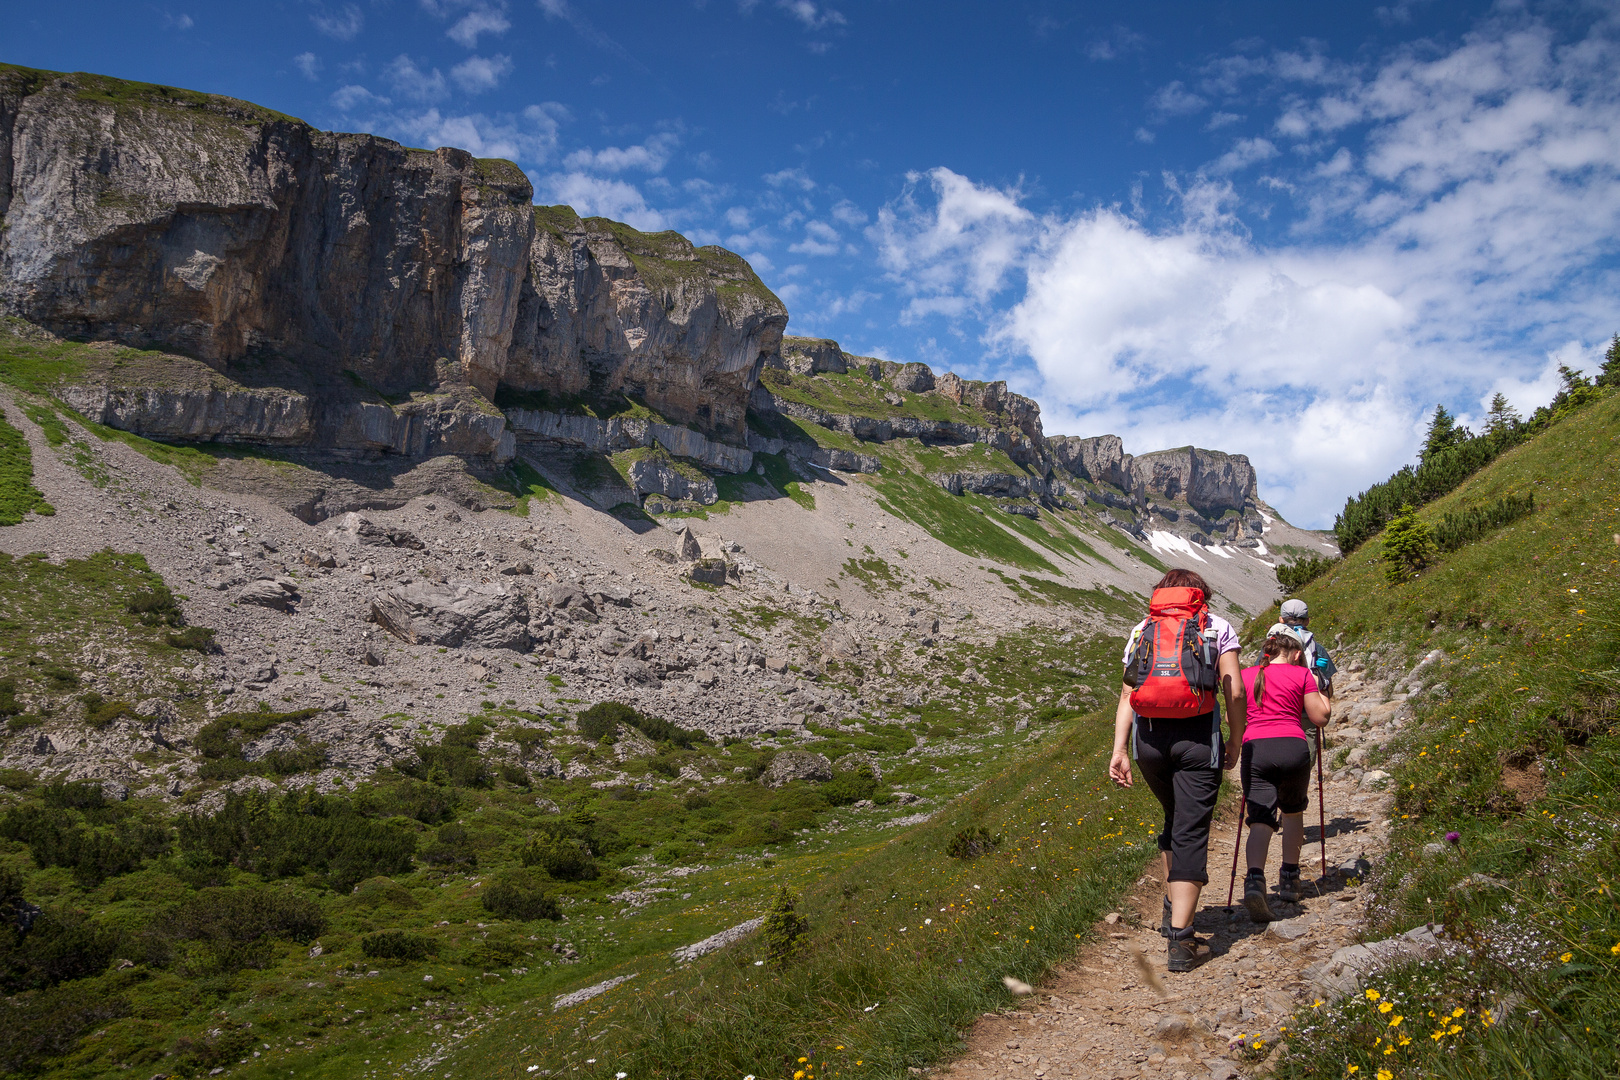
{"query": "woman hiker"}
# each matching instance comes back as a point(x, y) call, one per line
point(1169, 719)
point(1282, 694)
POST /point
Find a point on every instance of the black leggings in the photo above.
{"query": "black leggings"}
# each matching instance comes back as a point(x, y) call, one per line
point(1276, 777)
point(1181, 762)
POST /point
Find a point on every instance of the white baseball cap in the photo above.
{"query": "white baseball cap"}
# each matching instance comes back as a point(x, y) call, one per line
point(1284, 630)
point(1295, 609)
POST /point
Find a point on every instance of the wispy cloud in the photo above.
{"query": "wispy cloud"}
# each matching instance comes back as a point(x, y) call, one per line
point(790, 178)
point(479, 73)
point(1174, 99)
point(344, 24)
point(565, 11)
point(812, 15)
point(650, 156)
point(408, 80)
point(308, 65)
point(481, 20)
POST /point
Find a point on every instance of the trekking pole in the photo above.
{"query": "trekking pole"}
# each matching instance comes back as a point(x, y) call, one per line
point(1237, 845)
point(1321, 807)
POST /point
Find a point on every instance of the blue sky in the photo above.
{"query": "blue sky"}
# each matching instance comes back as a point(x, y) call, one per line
point(1286, 230)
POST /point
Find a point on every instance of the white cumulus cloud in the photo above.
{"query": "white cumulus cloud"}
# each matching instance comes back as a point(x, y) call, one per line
point(1456, 215)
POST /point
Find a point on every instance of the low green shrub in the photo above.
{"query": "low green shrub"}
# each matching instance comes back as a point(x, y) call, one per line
point(972, 842)
point(234, 926)
point(850, 787)
point(55, 837)
point(561, 857)
point(1296, 575)
point(301, 833)
point(156, 606)
point(455, 760)
point(197, 638)
point(521, 896)
point(60, 945)
point(48, 1024)
point(1466, 526)
point(452, 847)
point(603, 719)
point(397, 945)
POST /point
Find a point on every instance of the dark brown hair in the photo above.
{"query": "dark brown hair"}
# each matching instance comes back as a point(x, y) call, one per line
point(1275, 646)
point(1185, 579)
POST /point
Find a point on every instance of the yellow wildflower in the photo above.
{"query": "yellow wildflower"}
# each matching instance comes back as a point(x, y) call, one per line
point(1350, 1069)
point(1373, 995)
point(1385, 1007)
point(1395, 1021)
point(1458, 1011)
point(1453, 1029)
point(1385, 1074)
point(1614, 950)
point(1566, 958)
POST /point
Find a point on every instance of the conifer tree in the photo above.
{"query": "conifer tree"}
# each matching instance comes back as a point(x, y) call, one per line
point(1610, 374)
point(1503, 418)
point(1408, 546)
point(1443, 433)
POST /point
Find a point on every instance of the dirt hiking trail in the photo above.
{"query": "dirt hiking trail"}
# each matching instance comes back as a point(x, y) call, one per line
point(1114, 1011)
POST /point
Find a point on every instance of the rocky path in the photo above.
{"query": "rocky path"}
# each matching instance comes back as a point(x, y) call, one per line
point(1115, 1012)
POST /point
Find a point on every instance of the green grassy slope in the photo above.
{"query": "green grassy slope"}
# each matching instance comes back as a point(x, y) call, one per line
point(220, 933)
point(1514, 749)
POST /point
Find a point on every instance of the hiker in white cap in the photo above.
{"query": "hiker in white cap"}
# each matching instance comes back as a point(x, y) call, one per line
point(1297, 617)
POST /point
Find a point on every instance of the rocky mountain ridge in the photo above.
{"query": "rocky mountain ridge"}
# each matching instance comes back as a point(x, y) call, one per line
point(346, 294)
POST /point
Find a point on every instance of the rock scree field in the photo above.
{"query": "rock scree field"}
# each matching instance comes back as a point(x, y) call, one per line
point(583, 677)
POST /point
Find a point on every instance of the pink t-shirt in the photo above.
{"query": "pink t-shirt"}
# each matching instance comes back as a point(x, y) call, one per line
point(1281, 712)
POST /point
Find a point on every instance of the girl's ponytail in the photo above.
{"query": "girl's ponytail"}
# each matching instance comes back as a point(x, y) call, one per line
point(1275, 646)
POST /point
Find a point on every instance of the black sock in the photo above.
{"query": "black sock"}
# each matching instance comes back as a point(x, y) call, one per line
point(1294, 866)
point(1257, 871)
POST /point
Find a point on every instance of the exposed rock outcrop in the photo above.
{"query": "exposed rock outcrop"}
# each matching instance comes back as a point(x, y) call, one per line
point(427, 613)
point(219, 230)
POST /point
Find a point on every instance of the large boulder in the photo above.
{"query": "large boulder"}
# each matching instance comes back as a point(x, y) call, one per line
point(811, 356)
point(428, 613)
point(654, 475)
point(279, 595)
point(914, 378)
point(791, 765)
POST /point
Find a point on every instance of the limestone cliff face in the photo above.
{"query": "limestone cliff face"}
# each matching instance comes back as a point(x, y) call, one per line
point(213, 228)
point(608, 309)
point(1207, 480)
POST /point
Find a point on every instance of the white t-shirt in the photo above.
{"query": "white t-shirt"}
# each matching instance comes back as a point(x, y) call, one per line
point(1226, 639)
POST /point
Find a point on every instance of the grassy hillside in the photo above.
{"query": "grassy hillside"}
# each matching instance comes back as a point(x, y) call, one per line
point(340, 935)
point(1508, 827)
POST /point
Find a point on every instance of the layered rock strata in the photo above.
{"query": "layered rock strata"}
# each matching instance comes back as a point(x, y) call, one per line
point(209, 227)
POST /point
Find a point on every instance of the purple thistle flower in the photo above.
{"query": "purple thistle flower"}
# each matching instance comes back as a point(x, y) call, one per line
point(1453, 837)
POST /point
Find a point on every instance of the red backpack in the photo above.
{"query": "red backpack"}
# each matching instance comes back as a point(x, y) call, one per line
point(1173, 670)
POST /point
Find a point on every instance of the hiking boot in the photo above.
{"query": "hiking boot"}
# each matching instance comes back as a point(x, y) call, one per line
point(1288, 887)
point(1164, 923)
point(1186, 951)
point(1254, 897)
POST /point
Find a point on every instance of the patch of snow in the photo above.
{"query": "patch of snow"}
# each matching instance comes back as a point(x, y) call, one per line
point(1162, 541)
point(589, 992)
point(718, 941)
point(1265, 517)
point(1260, 548)
point(1219, 549)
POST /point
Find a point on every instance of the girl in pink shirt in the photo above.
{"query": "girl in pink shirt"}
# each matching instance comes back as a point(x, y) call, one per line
point(1275, 768)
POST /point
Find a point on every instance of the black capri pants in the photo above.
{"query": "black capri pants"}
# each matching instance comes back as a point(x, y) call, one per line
point(1181, 762)
point(1276, 777)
